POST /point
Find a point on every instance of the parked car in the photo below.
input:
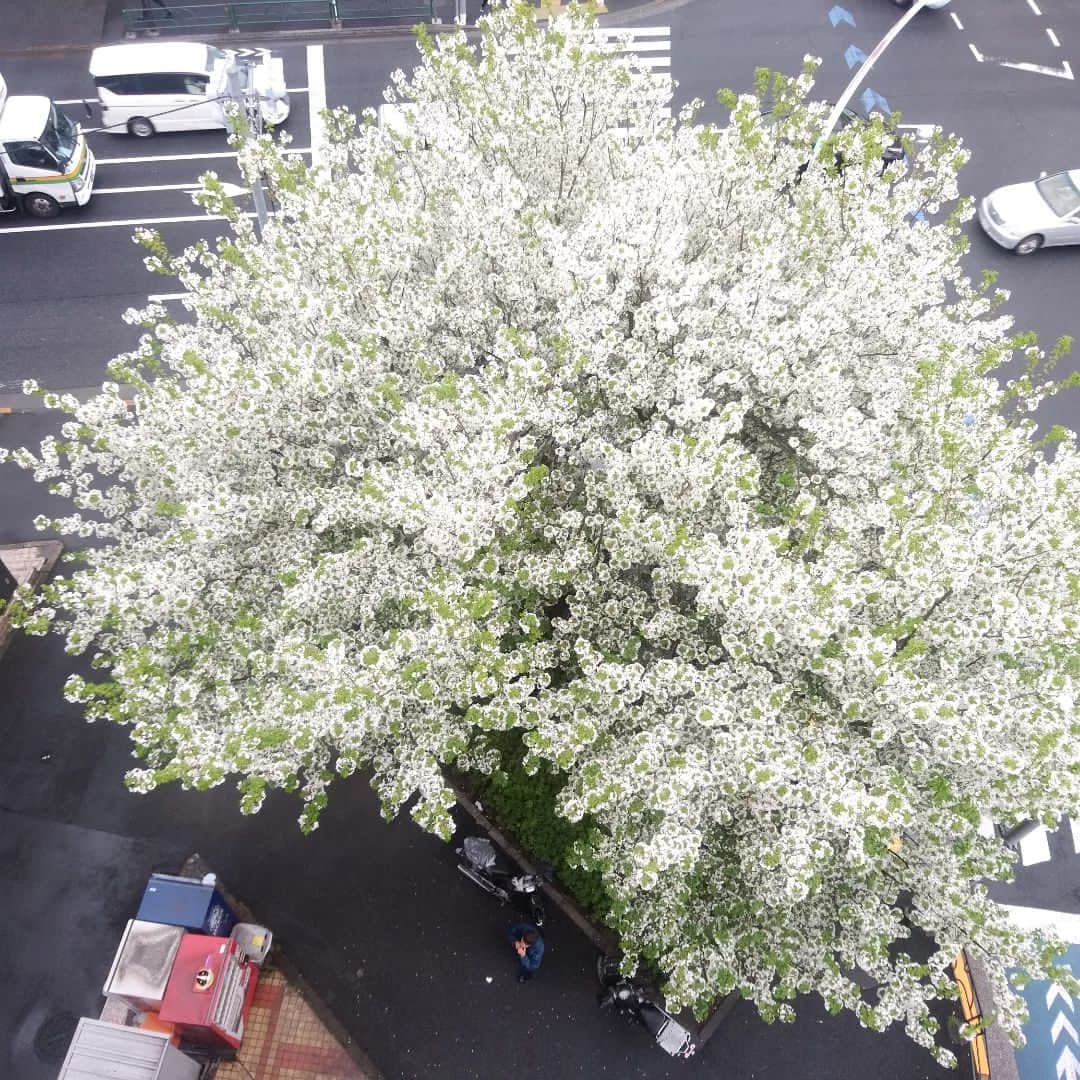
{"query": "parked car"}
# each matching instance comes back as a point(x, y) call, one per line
point(1038, 213)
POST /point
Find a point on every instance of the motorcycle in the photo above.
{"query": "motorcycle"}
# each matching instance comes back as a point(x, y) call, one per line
point(479, 864)
point(632, 1000)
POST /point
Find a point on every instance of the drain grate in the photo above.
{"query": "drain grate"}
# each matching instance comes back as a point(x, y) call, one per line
point(54, 1037)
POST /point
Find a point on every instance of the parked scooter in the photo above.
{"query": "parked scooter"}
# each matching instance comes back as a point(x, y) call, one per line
point(632, 1000)
point(479, 864)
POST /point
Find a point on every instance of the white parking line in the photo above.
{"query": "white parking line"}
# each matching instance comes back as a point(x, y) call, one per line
point(956, 20)
point(316, 101)
point(975, 52)
point(1053, 38)
point(1034, 7)
point(166, 296)
point(127, 223)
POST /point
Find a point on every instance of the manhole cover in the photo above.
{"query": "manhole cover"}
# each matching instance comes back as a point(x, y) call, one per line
point(54, 1037)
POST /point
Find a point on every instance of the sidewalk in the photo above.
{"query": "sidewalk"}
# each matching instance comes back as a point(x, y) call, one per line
point(56, 26)
point(285, 1040)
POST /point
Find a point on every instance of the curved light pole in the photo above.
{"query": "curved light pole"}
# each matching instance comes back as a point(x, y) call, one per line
point(868, 63)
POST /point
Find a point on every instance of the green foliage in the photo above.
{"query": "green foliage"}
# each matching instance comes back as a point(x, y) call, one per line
point(525, 806)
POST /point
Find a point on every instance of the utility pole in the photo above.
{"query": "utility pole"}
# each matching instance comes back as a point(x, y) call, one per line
point(246, 97)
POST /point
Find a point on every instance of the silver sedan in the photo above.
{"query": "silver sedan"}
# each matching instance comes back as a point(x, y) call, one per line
point(1040, 213)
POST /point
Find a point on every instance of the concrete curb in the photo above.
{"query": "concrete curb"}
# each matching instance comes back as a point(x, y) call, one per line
point(29, 563)
point(605, 940)
point(195, 866)
point(1001, 1054)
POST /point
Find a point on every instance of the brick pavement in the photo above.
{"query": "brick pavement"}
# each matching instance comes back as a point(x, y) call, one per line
point(285, 1040)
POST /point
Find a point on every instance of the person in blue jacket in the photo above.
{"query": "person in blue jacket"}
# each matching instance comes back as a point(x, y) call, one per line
point(528, 943)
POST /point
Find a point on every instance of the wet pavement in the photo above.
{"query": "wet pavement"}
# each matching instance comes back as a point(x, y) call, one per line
point(407, 954)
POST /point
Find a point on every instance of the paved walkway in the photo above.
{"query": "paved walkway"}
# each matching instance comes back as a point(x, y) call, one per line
point(285, 1040)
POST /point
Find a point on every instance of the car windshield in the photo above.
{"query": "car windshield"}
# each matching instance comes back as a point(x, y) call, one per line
point(1060, 192)
point(60, 137)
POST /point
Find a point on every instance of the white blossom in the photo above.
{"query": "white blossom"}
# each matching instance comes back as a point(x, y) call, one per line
point(633, 435)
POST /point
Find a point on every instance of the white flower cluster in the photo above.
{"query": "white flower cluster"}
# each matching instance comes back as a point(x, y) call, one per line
point(636, 436)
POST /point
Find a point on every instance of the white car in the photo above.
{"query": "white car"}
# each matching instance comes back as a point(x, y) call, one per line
point(1039, 213)
point(148, 87)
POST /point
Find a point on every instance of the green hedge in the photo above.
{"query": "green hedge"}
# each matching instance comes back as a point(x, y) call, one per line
point(524, 806)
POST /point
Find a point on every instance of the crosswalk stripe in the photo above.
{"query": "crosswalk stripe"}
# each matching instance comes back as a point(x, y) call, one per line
point(636, 31)
point(650, 47)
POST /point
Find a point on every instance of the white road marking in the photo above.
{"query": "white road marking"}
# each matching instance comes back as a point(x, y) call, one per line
point(316, 101)
point(128, 223)
point(1074, 827)
point(1053, 38)
point(956, 20)
point(1062, 1023)
point(166, 296)
point(1064, 72)
point(1065, 924)
point(1034, 7)
point(1035, 847)
point(93, 100)
point(190, 186)
point(291, 152)
point(975, 52)
point(1067, 1066)
point(165, 157)
point(638, 31)
point(624, 43)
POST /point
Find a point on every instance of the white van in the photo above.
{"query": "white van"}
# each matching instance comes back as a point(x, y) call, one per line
point(146, 87)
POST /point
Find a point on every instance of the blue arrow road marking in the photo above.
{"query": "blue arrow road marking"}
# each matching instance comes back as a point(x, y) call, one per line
point(873, 101)
point(837, 15)
point(854, 55)
point(1052, 1048)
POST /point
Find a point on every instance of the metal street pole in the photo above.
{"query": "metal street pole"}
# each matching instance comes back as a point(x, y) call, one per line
point(247, 98)
point(869, 62)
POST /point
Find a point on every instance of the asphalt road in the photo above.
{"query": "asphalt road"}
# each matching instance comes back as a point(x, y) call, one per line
point(396, 941)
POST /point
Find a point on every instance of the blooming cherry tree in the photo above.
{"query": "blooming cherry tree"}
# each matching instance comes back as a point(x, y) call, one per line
point(676, 450)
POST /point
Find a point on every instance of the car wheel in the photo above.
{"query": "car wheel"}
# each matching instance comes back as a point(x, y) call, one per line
point(140, 127)
point(38, 204)
point(1028, 245)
